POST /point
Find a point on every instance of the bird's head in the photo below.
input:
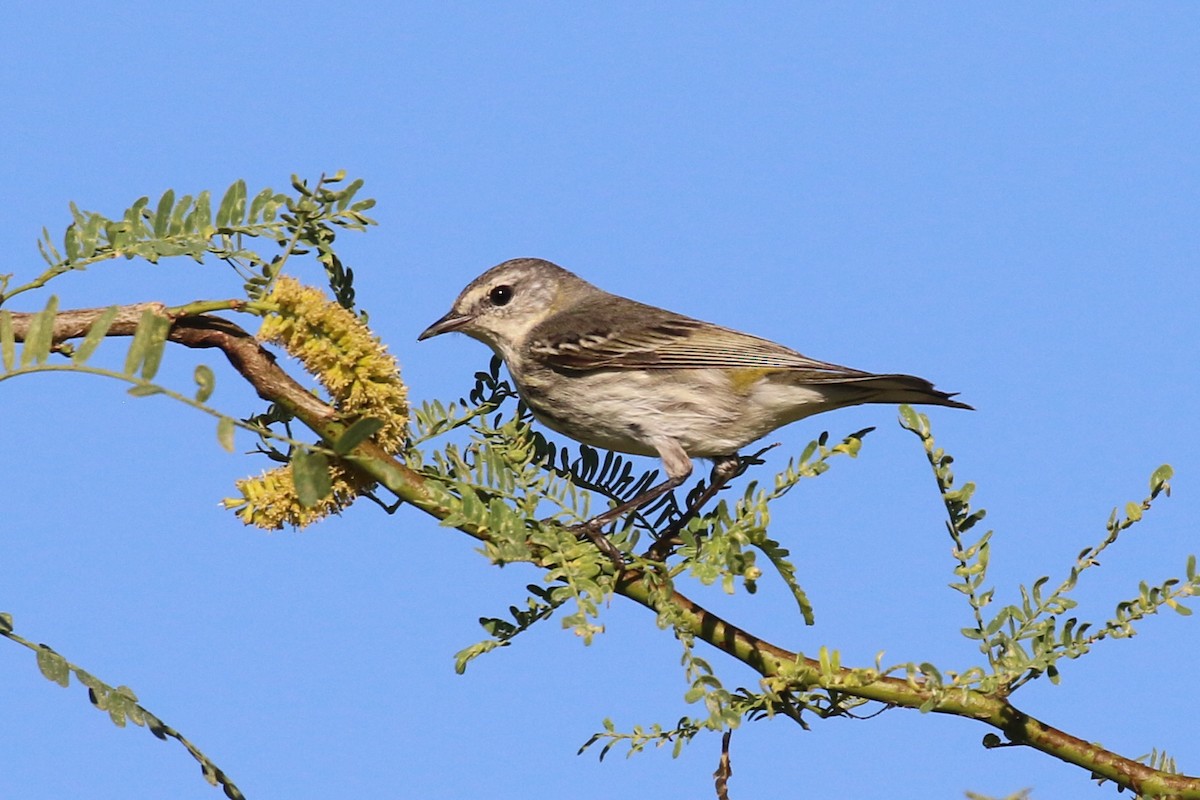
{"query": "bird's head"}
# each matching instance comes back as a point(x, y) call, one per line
point(501, 306)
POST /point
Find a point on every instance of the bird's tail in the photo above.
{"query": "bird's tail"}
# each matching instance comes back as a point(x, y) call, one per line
point(891, 389)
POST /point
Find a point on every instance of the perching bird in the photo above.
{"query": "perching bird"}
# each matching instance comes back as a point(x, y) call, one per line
point(618, 374)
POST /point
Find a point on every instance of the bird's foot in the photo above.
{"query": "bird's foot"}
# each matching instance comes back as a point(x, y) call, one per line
point(725, 468)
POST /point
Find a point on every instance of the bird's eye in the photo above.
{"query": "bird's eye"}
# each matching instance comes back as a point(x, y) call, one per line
point(500, 295)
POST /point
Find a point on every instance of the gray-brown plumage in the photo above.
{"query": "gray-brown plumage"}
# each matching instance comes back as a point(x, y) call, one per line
point(626, 376)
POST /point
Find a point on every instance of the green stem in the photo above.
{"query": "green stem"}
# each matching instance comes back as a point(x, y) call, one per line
point(142, 717)
point(1020, 728)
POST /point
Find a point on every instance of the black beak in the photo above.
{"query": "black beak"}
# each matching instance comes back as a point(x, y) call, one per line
point(448, 323)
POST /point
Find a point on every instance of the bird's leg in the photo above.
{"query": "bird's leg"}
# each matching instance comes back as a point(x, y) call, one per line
point(593, 528)
point(678, 467)
point(724, 469)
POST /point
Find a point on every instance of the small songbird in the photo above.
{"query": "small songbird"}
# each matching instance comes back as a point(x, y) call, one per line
point(621, 375)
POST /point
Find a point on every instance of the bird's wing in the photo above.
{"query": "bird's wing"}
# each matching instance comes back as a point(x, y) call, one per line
point(635, 336)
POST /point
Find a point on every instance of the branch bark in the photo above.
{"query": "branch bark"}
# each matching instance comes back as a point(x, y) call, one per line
point(259, 368)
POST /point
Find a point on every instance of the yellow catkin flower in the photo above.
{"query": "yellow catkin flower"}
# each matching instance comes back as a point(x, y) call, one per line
point(362, 379)
point(269, 500)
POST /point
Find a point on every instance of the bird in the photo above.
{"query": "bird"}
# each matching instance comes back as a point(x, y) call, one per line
point(621, 375)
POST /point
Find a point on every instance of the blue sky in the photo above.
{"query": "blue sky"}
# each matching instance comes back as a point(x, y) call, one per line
point(1002, 199)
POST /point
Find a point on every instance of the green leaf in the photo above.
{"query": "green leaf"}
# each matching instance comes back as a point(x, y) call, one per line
point(225, 429)
point(95, 335)
point(158, 327)
point(46, 248)
point(6, 622)
point(1133, 511)
point(91, 681)
point(356, 434)
point(90, 235)
point(911, 420)
point(71, 242)
point(145, 390)
point(40, 335)
point(77, 214)
point(53, 666)
point(162, 214)
point(777, 555)
point(8, 341)
point(149, 339)
point(178, 214)
point(347, 194)
point(310, 474)
point(137, 347)
point(200, 220)
point(1158, 481)
point(233, 206)
point(259, 203)
point(205, 382)
point(466, 655)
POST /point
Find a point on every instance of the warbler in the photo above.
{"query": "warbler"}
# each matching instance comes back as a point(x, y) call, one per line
point(622, 375)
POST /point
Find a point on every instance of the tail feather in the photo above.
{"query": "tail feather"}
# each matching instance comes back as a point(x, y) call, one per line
point(895, 389)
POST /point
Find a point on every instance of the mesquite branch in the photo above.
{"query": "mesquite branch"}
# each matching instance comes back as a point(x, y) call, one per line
point(259, 368)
